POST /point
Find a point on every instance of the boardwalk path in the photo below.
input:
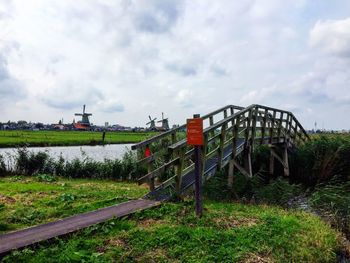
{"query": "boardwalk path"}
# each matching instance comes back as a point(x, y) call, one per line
point(29, 236)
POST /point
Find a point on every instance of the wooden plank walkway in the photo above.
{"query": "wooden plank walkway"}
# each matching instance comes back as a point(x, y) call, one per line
point(32, 235)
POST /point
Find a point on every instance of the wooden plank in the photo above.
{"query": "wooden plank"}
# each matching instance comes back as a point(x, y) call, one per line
point(221, 148)
point(240, 168)
point(263, 127)
point(272, 126)
point(32, 235)
point(178, 171)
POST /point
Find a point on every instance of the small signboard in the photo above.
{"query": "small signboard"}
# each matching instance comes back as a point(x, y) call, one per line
point(195, 131)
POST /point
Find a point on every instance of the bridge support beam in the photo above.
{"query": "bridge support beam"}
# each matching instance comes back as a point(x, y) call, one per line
point(247, 160)
point(150, 180)
point(178, 172)
point(230, 177)
point(283, 160)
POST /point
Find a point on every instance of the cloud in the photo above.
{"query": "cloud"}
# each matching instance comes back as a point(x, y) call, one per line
point(332, 37)
point(68, 97)
point(184, 70)
point(11, 90)
point(157, 16)
point(110, 106)
point(184, 98)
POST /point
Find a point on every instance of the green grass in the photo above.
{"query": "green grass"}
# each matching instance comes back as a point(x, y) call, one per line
point(27, 201)
point(67, 138)
point(227, 232)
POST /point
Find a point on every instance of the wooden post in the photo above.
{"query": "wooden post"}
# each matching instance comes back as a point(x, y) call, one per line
point(248, 161)
point(221, 148)
point(195, 138)
point(234, 149)
point(198, 176)
point(285, 160)
point(263, 127)
point(212, 133)
point(231, 169)
point(272, 124)
point(280, 126)
point(272, 162)
point(103, 136)
point(178, 171)
point(254, 116)
point(150, 180)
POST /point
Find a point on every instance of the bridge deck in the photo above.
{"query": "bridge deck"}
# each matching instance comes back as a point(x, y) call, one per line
point(29, 236)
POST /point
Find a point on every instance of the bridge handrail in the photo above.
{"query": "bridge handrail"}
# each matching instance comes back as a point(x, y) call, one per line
point(174, 130)
point(255, 123)
point(235, 115)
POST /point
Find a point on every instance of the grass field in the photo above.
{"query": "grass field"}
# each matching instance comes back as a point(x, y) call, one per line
point(67, 138)
point(228, 232)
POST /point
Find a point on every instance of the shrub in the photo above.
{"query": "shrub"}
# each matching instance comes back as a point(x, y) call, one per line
point(3, 170)
point(321, 159)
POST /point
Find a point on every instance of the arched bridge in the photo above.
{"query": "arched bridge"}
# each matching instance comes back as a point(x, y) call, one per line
point(229, 132)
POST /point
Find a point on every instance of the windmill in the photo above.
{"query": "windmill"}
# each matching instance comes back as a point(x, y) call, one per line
point(151, 123)
point(165, 122)
point(84, 123)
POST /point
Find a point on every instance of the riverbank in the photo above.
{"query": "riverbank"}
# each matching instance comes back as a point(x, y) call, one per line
point(68, 138)
point(227, 232)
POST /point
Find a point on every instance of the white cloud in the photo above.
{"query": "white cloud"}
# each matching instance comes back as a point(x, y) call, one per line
point(332, 37)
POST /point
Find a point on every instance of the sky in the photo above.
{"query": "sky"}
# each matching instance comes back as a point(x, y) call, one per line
point(128, 59)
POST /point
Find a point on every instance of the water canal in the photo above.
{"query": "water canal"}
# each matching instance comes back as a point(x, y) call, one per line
point(97, 153)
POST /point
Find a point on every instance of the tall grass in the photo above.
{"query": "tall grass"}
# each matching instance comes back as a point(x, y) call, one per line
point(29, 163)
point(3, 169)
point(321, 159)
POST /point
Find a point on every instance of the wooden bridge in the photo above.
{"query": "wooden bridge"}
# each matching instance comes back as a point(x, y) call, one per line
point(230, 132)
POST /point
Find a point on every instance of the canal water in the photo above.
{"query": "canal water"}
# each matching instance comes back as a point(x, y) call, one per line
point(97, 153)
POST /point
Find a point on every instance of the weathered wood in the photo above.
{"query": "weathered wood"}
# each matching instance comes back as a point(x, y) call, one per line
point(263, 127)
point(230, 176)
point(241, 169)
point(255, 109)
point(32, 235)
point(249, 126)
point(272, 124)
point(285, 161)
point(221, 148)
point(178, 171)
point(150, 179)
point(272, 163)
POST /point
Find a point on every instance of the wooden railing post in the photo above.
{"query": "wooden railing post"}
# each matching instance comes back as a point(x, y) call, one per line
point(149, 170)
point(272, 124)
point(204, 155)
point(254, 119)
point(178, 170)
point(263, 127)
point(280, 124)
point(231, 166)
point(285, 160)
point(221, 148)
point(248, 160)
point(272, 162)
point(212, 133)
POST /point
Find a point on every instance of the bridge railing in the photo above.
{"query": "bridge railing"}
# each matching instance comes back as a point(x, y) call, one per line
point(159, 144)
point(234, 128)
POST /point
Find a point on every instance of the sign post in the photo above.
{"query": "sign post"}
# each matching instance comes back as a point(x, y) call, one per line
point(195, 138)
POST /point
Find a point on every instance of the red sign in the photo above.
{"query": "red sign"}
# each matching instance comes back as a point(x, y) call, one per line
point(148, 152)
point(195, 131)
